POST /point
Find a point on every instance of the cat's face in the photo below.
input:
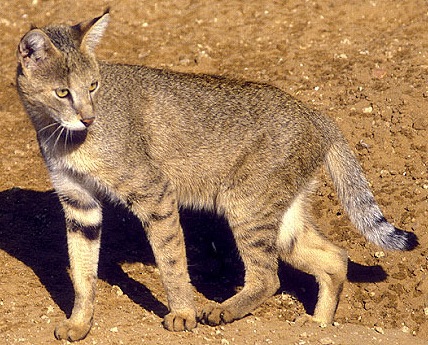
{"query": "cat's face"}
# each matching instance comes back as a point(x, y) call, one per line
point(64, 85)
point(58, 75)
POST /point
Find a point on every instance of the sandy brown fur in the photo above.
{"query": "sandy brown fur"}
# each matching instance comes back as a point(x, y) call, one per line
point(156, 140)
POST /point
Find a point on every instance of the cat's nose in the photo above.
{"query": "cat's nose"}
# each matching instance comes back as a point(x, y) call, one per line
point(88, 121)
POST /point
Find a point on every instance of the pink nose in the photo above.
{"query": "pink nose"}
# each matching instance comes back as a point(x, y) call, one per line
point(87, 122)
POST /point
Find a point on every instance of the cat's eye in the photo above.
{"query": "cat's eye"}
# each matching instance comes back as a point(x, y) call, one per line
point(93, 86)
point(62, 93)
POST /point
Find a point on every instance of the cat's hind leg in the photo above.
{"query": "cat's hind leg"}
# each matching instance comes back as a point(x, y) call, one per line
point(255, 236)
point(303, 247)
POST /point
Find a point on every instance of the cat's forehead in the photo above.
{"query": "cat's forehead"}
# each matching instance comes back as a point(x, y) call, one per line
point(71, 61)
point(65, 38)
point(78, 72)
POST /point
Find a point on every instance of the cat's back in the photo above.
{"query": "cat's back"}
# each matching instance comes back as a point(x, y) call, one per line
point(190, 116)
point(202, 99)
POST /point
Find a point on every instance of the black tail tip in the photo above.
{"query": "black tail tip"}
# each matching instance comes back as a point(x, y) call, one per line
point(391, 238)
point(401, 240)
point(411, 240)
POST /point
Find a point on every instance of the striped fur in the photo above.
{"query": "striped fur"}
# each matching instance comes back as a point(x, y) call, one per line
point(156, 140)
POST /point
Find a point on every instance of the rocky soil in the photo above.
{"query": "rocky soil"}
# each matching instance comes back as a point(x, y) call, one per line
point(363, 63)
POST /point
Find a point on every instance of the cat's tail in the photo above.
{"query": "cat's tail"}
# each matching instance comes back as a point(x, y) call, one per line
point(358, 201)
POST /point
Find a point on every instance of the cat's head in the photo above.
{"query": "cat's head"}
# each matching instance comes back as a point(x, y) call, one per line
point(58, 75)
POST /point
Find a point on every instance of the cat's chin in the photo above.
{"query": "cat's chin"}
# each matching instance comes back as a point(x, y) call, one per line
point(77, 126)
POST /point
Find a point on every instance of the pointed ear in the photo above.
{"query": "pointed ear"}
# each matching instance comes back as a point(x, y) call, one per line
point(35, 48)
point(91, 31)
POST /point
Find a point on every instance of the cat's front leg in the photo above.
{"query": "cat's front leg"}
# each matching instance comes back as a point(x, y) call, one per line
point(167, 241)
point(162, 225)
point(83, 220)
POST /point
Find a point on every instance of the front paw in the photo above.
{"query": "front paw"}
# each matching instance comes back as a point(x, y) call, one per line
point(181, 320)
point(215, 314)
point(72, 331)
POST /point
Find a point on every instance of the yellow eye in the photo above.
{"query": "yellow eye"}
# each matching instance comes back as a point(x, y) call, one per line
point(93, 86)
point(62, 93)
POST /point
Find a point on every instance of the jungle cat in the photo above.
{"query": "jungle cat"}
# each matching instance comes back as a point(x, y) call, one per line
point(156, 140)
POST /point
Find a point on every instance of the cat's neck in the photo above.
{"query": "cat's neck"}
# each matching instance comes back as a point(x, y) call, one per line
point(56, 140)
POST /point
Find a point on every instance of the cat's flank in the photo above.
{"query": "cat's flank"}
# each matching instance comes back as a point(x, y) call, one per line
point(154, 140)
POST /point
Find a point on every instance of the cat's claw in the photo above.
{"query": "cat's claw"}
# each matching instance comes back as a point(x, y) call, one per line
point(181, 320)
point(72, 331)
point(215, 314)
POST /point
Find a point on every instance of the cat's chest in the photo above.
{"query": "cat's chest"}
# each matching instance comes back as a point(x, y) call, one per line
point(89, 172)
point(92, 157)
point(90, 165)
point(99, 169)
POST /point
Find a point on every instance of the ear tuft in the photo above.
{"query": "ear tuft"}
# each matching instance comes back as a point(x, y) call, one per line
point(35, 47)
point(91, 31)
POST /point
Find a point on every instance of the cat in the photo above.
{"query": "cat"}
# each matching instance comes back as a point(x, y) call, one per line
point(155, 140)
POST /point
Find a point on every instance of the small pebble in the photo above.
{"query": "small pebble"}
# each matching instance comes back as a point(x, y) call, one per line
point(368, 110)
point(379, 255)
point(117, 290)
point(405, 329)
point(326, 341)
point(379, 330)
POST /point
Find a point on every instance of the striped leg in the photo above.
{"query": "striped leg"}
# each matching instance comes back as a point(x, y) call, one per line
point(162, 224)
point(255, 239)
point(83, 220)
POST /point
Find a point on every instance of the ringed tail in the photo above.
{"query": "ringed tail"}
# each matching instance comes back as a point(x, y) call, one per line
point(359, 203)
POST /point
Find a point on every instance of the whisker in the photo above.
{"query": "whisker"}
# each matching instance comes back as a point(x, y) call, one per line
point(66, 138)
point(48, 126)
point(52, 134)
point(58, 137)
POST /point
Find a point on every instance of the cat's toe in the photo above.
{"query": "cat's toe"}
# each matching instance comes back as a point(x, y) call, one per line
point(214, 314)
point(72, 331)
point(181, 320)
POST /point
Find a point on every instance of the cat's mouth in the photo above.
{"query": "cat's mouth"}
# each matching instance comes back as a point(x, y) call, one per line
point(75, 123)
point(73, 126)
point(63, 134)
point(78, 125)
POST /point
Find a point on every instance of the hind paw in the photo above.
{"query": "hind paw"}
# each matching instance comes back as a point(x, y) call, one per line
point(308, 319)
point(214, 314)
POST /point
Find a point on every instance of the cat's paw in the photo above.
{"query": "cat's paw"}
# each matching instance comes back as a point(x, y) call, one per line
point(72, 331)
point(180, 320)
point(214, 314)
point(308, 319)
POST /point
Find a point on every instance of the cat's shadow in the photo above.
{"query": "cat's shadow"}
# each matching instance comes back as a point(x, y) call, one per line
point(32, 230)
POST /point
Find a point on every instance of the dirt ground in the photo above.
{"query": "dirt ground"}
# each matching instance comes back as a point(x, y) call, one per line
point(364, 63)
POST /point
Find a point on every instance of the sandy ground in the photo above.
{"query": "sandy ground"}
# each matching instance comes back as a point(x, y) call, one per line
point(363, 63)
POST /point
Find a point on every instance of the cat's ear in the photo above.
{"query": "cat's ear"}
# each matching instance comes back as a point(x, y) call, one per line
point(35, 48)
point(92, 31)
